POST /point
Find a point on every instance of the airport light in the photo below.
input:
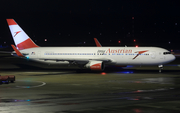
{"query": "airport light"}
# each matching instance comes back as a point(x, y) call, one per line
point(27, 57)
point(103, 73)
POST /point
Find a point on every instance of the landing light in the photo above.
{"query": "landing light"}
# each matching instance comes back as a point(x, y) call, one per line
point(137, 46)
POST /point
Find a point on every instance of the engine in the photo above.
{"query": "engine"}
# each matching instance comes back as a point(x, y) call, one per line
point(95, 65)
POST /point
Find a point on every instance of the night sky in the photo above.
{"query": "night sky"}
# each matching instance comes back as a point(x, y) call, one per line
point(77, 22)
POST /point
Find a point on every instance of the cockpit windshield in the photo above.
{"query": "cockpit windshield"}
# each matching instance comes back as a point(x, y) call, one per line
point(165, 53)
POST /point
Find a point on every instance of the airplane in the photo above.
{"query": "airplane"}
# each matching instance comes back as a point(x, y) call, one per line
point(94, 58)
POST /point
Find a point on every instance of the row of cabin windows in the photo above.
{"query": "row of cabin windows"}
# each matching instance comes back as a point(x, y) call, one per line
point(69, 54)
point(91, 54)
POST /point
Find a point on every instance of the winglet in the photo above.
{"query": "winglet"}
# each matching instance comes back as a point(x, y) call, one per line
point(17, 51)
point(97, 42)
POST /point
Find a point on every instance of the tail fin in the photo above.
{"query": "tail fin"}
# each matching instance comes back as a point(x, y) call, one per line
point(21, 39)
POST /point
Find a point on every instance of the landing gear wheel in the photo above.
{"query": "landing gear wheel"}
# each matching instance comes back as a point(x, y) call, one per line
point(160, 68)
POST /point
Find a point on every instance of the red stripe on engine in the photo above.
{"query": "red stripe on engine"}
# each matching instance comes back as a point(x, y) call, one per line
point(26, 44)
point(96, 66)
point(11, 22)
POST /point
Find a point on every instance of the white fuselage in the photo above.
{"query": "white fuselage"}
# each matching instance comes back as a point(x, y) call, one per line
point(111, 55)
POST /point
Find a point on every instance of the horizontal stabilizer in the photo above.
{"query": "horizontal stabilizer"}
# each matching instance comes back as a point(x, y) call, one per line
point(17, 51)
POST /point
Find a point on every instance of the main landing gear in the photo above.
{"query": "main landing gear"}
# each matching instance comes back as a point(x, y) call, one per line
point(160, 68)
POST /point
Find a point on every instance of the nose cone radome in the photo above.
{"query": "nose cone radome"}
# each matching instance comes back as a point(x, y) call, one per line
point(172, 58)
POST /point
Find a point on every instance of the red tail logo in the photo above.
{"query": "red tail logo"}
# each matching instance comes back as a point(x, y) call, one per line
point(17, 33)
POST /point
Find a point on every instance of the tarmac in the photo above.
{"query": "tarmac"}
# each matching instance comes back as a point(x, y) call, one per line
point(41, 88)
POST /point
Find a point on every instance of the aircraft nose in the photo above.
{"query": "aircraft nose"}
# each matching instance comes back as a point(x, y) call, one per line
point(172, 57)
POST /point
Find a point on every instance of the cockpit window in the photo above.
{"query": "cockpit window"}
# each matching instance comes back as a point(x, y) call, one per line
point(165, 53)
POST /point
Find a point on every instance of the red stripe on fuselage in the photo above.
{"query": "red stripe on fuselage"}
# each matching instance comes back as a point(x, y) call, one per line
point(11, 22)
point(139, 52)
point(26, 44)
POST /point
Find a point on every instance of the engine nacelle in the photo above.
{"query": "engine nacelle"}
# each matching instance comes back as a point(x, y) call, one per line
point(95, 65)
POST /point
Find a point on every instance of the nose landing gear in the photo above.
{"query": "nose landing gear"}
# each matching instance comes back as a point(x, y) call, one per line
point(160, 68)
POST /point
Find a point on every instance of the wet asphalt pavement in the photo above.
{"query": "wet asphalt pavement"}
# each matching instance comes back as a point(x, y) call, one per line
point(43, 89)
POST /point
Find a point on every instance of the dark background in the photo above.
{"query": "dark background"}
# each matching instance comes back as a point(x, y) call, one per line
point(77, 22)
